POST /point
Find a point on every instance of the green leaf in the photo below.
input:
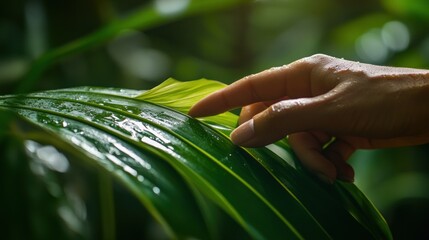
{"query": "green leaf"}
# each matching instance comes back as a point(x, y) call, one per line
point(362, 210)
point(174, 164)
point(181, 96)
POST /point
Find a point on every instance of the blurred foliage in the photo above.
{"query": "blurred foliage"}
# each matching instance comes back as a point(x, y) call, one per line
point(225, 44)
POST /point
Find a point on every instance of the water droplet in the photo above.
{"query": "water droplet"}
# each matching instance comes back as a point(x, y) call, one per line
point(273, 69)
point(70, 218)
point(156, 190)
point(52, 158)
point(248, 76)
point(130, 170)
point(169, 7)
point(48, 156)
point(37, 168)
point(31, 146)
point(140, 178)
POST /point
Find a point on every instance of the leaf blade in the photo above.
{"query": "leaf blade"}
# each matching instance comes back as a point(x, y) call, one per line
point(203, 156)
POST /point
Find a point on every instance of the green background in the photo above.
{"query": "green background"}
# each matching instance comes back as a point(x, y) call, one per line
point(222, 42)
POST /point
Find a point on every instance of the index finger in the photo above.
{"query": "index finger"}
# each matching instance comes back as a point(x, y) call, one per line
point(291, 80)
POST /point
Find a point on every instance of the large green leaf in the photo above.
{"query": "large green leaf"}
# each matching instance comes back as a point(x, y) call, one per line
point(174, 164)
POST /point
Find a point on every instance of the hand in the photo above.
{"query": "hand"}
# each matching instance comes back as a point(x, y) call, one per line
point(320, 98)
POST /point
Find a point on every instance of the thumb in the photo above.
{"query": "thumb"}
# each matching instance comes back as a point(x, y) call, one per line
point(281, 119)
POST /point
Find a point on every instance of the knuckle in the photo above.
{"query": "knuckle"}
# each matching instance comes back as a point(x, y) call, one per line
point(314, 63)
point(318, 58)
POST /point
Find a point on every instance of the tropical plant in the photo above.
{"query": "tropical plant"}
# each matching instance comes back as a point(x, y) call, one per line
point(48, 195)
point(186, 172)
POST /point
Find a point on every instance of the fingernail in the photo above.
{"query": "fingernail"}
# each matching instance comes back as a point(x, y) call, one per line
point(324, 178)
point(243, 133)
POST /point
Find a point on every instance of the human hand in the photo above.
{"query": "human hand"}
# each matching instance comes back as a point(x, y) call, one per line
point(318, 98)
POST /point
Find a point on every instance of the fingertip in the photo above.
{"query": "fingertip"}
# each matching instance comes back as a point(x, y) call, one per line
point(338, 152)
point(205, 107)
point(193, 112)
point(244, 133)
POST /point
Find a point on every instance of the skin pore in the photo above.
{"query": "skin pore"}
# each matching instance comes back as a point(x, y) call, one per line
point(319, 98)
